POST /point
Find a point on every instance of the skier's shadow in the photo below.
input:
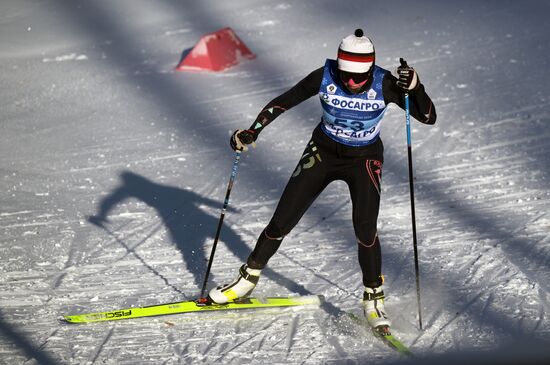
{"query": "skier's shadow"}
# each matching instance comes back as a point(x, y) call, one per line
point(188, 226)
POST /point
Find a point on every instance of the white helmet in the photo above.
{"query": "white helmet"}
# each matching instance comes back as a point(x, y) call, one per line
point(356, 61)
point(356, 53)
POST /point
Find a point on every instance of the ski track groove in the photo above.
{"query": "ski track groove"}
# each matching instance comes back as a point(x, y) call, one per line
point(42, 346)
point(155, 227)
point(94, 252)
point(477, 294)
point(332, 340)
point(260, 331)
point(103, 343)
point(485, 310)
point(496, 164)
point(494, 146)
point(291, 332)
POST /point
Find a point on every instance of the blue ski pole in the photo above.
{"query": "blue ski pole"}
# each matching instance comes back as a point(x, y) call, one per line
point(411, 187)
point(220, 223)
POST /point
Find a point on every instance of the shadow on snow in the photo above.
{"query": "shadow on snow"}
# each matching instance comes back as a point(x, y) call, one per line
point(188, 226)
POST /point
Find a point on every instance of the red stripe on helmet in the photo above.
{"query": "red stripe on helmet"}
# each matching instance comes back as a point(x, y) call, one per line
point(356, 57)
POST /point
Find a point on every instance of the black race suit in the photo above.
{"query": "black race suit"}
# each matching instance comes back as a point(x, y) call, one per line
point(325, 160)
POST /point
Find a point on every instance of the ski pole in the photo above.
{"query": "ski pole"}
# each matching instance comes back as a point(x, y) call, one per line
point(220, 223)
point(411, 187)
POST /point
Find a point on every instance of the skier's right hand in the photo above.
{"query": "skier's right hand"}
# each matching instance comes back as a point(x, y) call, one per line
point(240, 139)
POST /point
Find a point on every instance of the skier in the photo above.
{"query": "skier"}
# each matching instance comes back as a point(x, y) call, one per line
point(346, 146)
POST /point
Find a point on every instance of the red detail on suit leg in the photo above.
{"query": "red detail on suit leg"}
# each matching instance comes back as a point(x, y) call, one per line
point(374, 168)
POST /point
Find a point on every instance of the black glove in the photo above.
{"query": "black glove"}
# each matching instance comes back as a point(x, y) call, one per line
point(240, 139)
point(408, 78)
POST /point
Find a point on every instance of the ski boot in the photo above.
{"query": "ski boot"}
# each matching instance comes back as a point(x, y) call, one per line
point(241, 287)
point(373, 307)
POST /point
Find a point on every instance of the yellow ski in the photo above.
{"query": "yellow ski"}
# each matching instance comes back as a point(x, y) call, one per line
point(194, 306)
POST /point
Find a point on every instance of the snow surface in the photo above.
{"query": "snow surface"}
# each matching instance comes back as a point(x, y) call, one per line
point(93, 113)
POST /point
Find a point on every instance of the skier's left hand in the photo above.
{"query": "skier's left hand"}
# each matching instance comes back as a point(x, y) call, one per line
point(408, 78)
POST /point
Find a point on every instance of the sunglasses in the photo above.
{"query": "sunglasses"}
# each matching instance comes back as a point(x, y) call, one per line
point(355, 80)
